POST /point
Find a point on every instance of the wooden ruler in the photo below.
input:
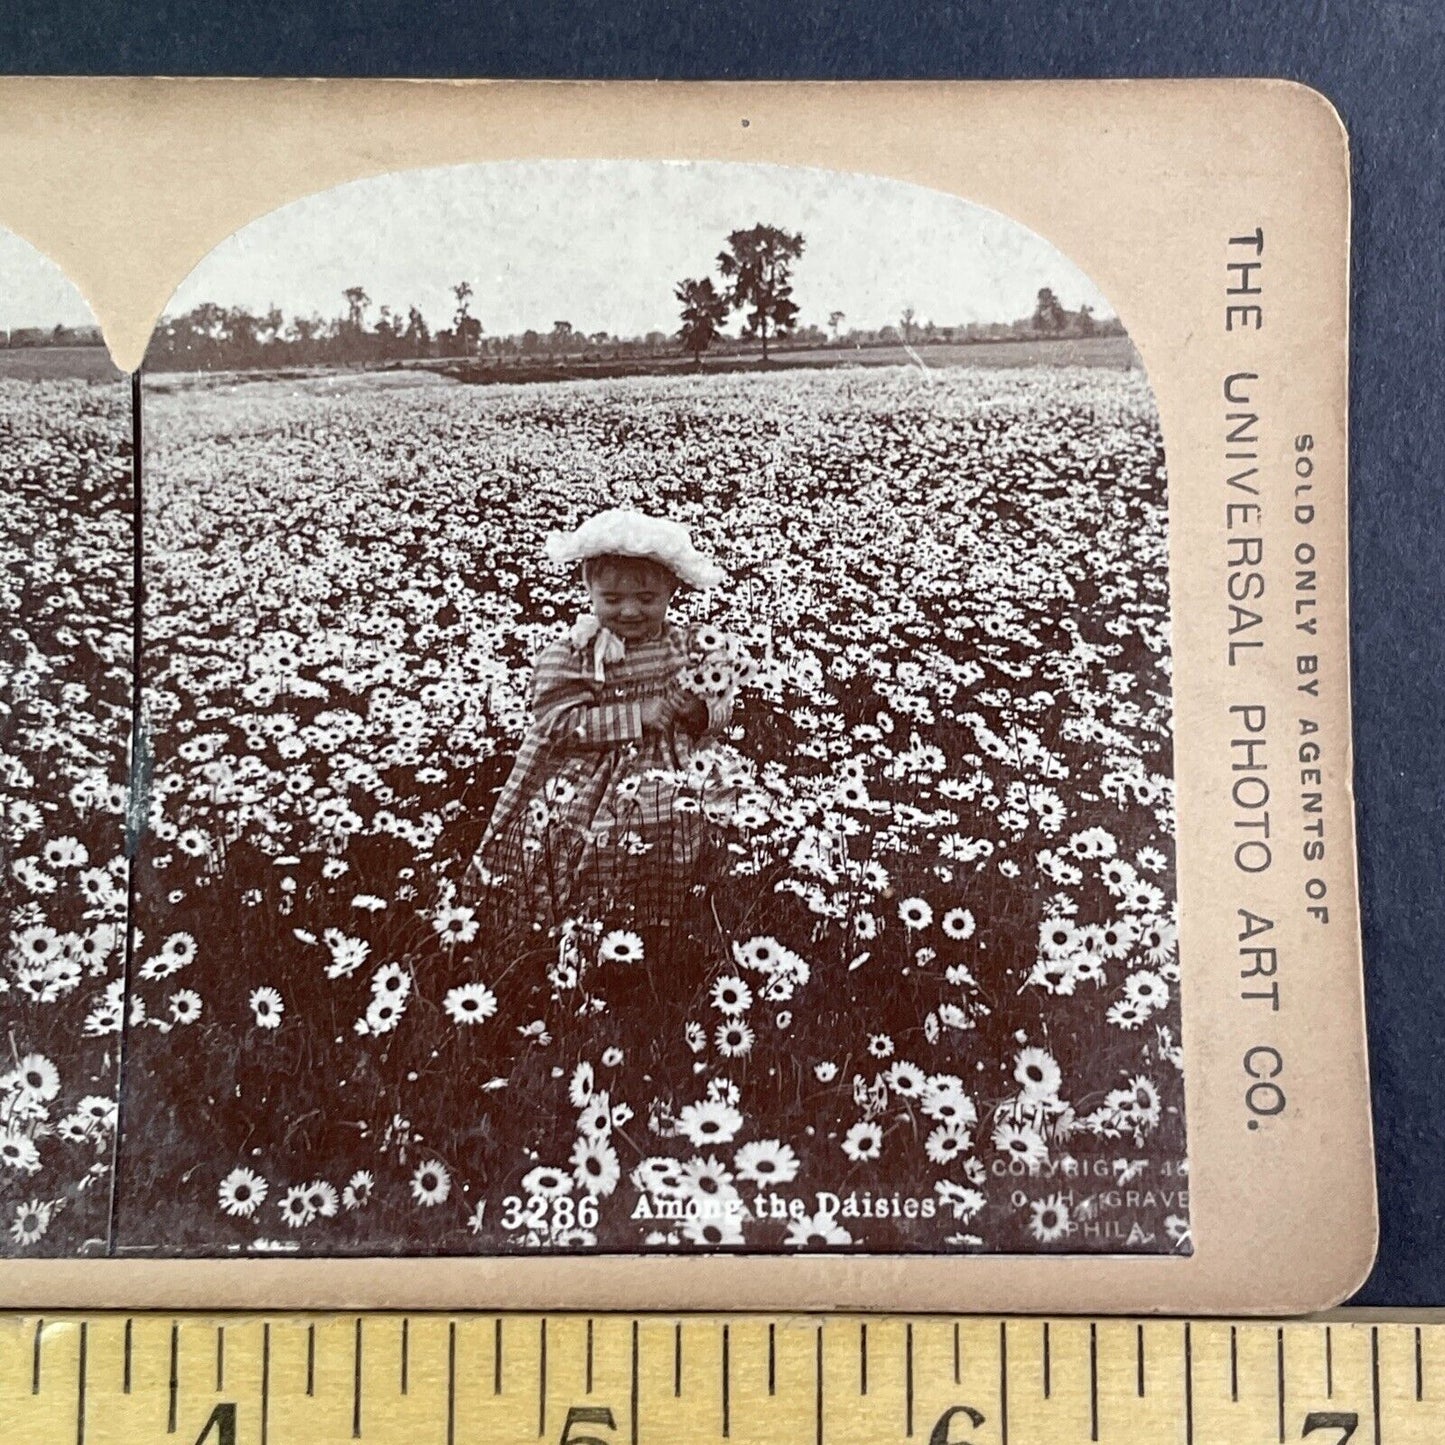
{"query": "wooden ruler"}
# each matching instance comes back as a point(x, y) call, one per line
point(425, 1379)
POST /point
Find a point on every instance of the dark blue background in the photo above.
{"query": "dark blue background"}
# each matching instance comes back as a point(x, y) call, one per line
point(1380, 63)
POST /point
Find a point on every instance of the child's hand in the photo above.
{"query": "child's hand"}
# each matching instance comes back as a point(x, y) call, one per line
point(656, 715)
point(691, 711)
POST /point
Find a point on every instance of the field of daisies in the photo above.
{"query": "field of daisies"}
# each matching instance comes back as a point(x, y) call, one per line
point(65, 703)
point(928, 999)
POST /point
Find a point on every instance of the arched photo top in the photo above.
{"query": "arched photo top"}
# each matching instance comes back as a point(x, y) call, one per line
point(559, 258)
point(47, 329)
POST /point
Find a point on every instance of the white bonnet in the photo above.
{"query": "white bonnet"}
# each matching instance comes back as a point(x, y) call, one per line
point(634, 534)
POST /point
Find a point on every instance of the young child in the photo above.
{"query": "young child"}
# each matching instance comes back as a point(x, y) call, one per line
point(591, 817)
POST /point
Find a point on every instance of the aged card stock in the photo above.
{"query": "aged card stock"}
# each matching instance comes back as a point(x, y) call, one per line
point(656, 696)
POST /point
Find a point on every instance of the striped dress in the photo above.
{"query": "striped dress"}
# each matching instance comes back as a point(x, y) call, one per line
point(596, 818)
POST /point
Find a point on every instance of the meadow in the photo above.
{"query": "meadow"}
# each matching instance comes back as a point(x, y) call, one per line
point(65, 706)
point(931, 1000)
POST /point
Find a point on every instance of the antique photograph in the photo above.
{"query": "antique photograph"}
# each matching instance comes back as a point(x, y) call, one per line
point(654, 735)
point(66, 670)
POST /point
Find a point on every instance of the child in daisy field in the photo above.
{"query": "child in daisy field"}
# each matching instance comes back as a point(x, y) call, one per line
point(601, 810)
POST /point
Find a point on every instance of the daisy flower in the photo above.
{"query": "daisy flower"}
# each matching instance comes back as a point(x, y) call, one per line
point(1021, 1143)
point(242, 1192)
point(1039, 1074)
point(582, 1085)
point(915, 914)
point(947, 1143)
point(766, 1161)
point(1147, 990)
point(358, 1190)
point(322, 1197)
point(545, 1182)
point(658, 1176)
point(964, 1202)
point(470, 1003)
point(731, 995)
point(1050, 1221)
point(816, 1229)
point(456, 925)
point(880, 1046)
point(383, 1014)
point(723, 1230)
point(391, 981)
point(958, 924)
point(39, 1077)
point(267, 1006)
point(295, 1208)
point(18, 1151)
point(734, 1038)
point(711, 1122)
point(945, 1099)
point(431, 1183)
point(595, 1166)
point(596, 1119)
point(185, 1006)
point(31, 1222)
point(619, 946)
point(905, 1079)
point(863, 1142)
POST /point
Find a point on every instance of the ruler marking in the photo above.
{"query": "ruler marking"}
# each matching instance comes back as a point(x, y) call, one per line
point(1234, 1364)
point(265, 1380)
point(451, 1379)
point(1329, 1364)
point(637, 1374)
point(589, 1357)
point(542, 1380)
point(1375, 1377)
point(497, 1357)
point(1093, 1381)
point(818, 1388)
point(355, 1378)
point(1139, 1360)
point(863, 1359)
point(1048, 1382)
point(726, 1385)
point(1279, 1377)
point(677, 1358)
point(175, 1386)
point(80, 1391)
point(125, 1359)
point(1419, 1368)
point(908, 1376)
point(1189, 1384)
point(310, 1359)
point(35, 1358)
point(1003, 1381)
point(220, 1358)
point(772, 1360)
point(406, 1354)
point(957, 1357)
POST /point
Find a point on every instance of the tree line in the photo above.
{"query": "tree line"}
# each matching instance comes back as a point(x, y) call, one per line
point(754, 278)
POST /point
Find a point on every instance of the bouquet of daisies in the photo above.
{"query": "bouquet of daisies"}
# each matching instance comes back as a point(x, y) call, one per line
point(718, 663)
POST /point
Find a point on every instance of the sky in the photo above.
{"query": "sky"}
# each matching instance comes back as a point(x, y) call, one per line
point(602, 244)
point(34, 291)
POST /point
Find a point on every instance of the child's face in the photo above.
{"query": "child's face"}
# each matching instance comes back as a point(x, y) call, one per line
point(632, 602)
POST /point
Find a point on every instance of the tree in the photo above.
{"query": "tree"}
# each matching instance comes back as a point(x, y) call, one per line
point(759, 263)
point(356, 303)
point(562, 336)
point(1086, 320)
point(704, 310)
point(1049, 314)
point(418, 335)
point(465, 326)
point(835, 320)
point(906, 321)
